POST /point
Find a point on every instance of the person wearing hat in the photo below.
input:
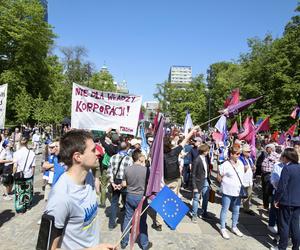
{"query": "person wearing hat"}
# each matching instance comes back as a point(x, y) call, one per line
point(134, 144)
point(266, 168)
point(24, 161)
point(48, 168)
point(249, 166)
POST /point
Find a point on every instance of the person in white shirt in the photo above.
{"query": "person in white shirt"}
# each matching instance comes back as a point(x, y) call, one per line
point(36, 142)
point(231, 173)
point(24, 161)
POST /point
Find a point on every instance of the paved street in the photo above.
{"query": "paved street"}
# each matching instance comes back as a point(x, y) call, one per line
point(21, 231)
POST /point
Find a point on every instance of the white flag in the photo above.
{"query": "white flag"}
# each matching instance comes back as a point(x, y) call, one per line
point(3, 97)
point(188, 123)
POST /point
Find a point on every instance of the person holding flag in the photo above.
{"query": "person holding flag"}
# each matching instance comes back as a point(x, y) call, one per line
point(135, 179)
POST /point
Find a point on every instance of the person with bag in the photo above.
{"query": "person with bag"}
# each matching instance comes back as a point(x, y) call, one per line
point(231, 172)
point(6, 158)
point(24, 166)
point(115, 172)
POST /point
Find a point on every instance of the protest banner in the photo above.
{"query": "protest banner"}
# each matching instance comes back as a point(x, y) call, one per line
point(98, 110)
point(3, 97)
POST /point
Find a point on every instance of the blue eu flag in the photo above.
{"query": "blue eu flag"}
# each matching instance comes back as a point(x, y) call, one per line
point(169, 206)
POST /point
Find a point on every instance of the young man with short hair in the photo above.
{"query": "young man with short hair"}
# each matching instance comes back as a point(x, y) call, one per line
point(73, 200)
point(135, 179)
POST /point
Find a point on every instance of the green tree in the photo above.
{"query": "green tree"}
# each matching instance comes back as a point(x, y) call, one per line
point(102, 80)
point(222, 78)
point(175, 101)
point(76, 68)
point(24, 42)
point(23, 106)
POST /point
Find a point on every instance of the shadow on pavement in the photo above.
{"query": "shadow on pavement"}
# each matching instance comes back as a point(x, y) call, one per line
point(37, 197)
point(5, 216)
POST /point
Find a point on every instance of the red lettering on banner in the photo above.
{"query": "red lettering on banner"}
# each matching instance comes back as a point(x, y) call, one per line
point(126, 129)
point(82, 92)
point(102, 109)
point(78, 109)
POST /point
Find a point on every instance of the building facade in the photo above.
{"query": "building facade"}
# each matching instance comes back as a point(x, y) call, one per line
point(180, 75)
point(151, 108)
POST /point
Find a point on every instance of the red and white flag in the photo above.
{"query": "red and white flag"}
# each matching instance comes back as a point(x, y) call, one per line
point(135, 229)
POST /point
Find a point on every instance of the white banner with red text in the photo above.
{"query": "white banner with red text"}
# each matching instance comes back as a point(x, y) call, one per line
point(98, 110)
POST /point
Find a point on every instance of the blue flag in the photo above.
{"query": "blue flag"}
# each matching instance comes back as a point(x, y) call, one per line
point(169, 206)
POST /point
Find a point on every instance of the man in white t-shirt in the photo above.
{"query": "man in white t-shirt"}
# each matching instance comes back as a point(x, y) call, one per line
point(36, 142)
point(73, 200)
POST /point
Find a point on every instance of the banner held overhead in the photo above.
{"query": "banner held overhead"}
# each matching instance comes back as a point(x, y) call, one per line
point(98, 110)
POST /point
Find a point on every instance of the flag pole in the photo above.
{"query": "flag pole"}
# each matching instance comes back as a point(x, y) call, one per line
point(128, 229)
point(210, 120)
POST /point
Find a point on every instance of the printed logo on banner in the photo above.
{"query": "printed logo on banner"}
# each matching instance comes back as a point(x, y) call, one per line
point(98, 110)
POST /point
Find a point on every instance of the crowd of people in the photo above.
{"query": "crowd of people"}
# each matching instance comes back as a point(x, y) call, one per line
point(82, 173)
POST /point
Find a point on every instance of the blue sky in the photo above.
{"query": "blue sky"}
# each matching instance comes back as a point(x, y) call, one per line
point(139, 40)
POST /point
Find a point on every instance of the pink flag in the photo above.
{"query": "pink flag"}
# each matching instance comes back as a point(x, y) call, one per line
point(292, 130)
point(217, 136)
point(264, 125)
point(234, 129)
point(251, 138)
point(294, 113)
point(246, 127)
point(233, 98)
point(135, 229)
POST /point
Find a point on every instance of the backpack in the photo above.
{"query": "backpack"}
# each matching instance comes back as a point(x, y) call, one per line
point(171, 166)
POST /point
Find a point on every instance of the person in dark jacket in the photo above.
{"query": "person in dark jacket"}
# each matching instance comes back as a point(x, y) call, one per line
point(287, 199)
point(201, 182)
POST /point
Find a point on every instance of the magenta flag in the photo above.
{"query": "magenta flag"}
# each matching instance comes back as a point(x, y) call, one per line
point(157, 164)
point(135, 225)
point(251, 138)
point(234, 129)
point(233, 98)
point(234, 109)
point(246, 126)
point(264, 125)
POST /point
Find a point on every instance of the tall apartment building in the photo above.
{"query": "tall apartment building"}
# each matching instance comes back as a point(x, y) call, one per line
point(180, 75)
